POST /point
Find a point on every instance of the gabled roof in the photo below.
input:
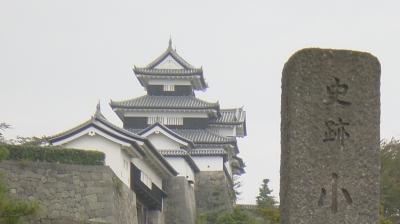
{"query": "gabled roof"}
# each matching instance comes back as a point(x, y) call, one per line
point(186, 70)
point(95, 121)
point(99, 122)
point(181, 153)
point(167, 130)
point(204, 136)
point(164, 102)
point(209, 152)
point(232, 117)
point(235, 116)
point(170, 52)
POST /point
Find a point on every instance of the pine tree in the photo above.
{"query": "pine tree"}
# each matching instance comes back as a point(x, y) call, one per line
point(264, 198)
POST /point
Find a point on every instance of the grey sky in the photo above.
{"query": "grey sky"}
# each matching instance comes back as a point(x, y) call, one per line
point(58, 58)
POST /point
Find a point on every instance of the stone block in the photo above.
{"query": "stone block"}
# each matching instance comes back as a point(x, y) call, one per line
point(330, 138)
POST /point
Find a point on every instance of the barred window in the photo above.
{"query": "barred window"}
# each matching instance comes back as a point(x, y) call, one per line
point(165, 120)
point(169, 88)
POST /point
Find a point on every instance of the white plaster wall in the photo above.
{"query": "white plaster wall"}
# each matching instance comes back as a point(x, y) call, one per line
point(225, 131)
point(182, 167)
point(209, 163)
point(114, 157)
point(161, 142)
point(180, 82)
point(149, 171)
point(169, 63)
point(166, 114)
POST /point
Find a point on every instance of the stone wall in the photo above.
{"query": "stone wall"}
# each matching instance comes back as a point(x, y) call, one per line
point(213, 192)
point(180, 206)
point(71, 193)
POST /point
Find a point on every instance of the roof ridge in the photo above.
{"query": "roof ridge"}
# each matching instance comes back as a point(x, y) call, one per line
point(121, 101)
point(174, 54)
point(205, 130)
point(161, 101)
point(231, 109)
point(148, 128)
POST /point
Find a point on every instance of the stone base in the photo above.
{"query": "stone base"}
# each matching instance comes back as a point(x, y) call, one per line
point(213, 191)
point(71, 193)
point(180, 205)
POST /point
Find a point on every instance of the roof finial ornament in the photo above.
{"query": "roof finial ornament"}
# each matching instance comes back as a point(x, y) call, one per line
point(98, 111)
point(170, 42)
point(98, 108)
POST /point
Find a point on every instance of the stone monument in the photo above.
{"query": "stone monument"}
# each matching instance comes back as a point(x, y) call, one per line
point(330, 138)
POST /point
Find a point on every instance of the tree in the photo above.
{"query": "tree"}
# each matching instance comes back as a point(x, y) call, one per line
point(264, 198)
point(3, 126)
point(31, 141)
point(267, 205)
point(390, 179)
point(12, 210)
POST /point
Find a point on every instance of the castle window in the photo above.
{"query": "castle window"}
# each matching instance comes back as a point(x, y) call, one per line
point(169, 88)
point(166, 120)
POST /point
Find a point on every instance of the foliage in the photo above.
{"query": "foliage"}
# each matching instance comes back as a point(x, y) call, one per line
point(237, 216)
point(32, 141)
point(4, 153)
point(390, 178)
point(12, 210)
point(271, 215)
point(54, 154)
point(267, 205)
point(3, 126)
point(264, 198)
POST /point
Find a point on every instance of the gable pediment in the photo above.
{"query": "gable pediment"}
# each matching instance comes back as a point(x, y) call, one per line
point(169, 62)
point(164, 138)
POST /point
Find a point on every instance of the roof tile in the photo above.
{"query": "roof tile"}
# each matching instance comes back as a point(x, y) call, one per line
point(165, 102)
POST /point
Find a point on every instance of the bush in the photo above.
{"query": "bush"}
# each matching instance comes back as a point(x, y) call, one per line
point(3, 153)
point(54, 154)
point(237, 216)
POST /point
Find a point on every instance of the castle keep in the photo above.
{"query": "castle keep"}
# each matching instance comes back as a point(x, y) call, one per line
point(177, 153)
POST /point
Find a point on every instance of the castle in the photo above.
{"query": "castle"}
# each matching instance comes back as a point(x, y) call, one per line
point(177, 153)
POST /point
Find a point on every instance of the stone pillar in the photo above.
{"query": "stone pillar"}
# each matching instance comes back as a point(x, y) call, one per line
point(180, 205)
point(330, 138)
point(214, 192)
point(156, 217)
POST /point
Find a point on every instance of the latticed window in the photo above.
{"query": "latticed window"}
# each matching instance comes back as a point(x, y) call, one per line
point(165, 120)
point(169, 88)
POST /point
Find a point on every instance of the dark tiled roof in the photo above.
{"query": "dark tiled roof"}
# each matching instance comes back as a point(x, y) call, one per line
point(167, 130)
point(135, 131)
point(201, 152)
point(97, 117)
point(201, 136)
point(230, 116)
point(168, 72)
point(165, 102)
point(128, 136)
point(180, 153)
point(187, 71)
point(170, 52)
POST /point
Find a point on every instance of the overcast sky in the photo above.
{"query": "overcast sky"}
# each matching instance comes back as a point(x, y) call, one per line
point(59, 58)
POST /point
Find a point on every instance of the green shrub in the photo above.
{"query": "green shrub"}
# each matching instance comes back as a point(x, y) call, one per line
point(3, 152)
point(54, 155)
